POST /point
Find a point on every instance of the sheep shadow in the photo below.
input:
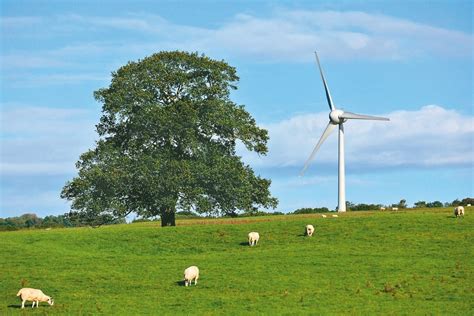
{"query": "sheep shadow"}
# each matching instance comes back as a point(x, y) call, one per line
point(180, 283)
point(246, 243)
point(27, 306)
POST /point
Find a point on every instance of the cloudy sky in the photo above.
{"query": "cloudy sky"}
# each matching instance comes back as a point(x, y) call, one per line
point(411, 62)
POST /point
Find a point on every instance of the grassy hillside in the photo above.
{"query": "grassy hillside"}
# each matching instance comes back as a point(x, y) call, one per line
point(414, 262)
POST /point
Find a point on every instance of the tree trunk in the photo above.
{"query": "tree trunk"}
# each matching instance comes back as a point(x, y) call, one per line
point(167, 217)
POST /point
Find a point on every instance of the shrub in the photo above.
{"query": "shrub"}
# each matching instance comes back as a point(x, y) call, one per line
point(308, 210)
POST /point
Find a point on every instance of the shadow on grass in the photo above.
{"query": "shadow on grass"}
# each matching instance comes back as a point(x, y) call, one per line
point(246, 244)
point(27, 306)
point(181, 283)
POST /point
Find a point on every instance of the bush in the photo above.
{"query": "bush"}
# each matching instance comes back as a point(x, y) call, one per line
point(434, 204)
point(141, 220)
point(365, 207)
point(308, 210)
point(262, 213)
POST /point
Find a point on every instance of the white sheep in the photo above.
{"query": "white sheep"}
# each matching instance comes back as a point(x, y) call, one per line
point(459, 211)
point(382, 208)
point(253, 238)
point(394, 208)
point(309, 230)
point(334, 215)
point(28, 294)
point(190, 274)
point(323, 216)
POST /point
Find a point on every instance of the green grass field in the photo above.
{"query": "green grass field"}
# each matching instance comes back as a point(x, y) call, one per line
point(410, 262)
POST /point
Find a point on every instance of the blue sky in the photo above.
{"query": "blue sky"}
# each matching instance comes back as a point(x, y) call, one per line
point(410, 61)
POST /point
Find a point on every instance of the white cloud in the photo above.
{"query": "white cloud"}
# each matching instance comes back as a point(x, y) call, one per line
point(29, 80)
point(39, 140)
point(39, 168)
point(40, 144)
point(430, 136)
point(292, 35)
point(283, 36)
point(42, 203)
point(16, 61)
point(127, 23)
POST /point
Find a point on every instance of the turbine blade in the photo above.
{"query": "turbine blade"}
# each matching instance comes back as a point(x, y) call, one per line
point(349, 115)
point(325, 135)
point(328, 94)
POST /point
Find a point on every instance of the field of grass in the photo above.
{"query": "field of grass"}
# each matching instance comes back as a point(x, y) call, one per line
point(411, 262)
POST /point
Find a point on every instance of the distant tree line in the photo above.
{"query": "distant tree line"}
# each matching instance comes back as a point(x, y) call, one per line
point(80, 219)
point(456, 202)
point(33, 221)
point(309, 210)
point(362, 206)
point(70, 219)
point(403, 204)
point(400, 205)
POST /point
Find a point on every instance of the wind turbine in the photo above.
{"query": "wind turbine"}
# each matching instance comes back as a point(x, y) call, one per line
point(337, 117)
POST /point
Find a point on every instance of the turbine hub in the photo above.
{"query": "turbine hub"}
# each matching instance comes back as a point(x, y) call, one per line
point(335, 117)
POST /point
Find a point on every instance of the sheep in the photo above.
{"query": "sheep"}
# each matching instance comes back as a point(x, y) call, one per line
point(253, 238)
point(459, 211)
point(323, 216)
point(394, 208)
point(334, 215)
point(382, 208)
point(190, 274)
point(309, 230)
point(28, 294)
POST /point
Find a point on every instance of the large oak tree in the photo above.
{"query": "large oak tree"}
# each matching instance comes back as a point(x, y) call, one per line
point(167, 141)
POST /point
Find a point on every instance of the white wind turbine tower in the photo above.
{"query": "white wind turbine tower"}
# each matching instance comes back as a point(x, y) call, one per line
point(337, 117)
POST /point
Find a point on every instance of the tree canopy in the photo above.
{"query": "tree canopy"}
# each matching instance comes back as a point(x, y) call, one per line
point(167, 141)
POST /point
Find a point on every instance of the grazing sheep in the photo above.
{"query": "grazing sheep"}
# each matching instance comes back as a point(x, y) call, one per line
point(334, 215)
point(323, 216)
point(190, 274)
point(382, 208)
point(394, 208)
point(459, 211)
point(309, 230)
point(253, 238)
point(28, 294)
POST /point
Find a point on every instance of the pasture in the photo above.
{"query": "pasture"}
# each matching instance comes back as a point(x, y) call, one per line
point(405, 262)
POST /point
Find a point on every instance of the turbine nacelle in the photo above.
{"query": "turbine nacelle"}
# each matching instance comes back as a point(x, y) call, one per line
point(335, 116)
